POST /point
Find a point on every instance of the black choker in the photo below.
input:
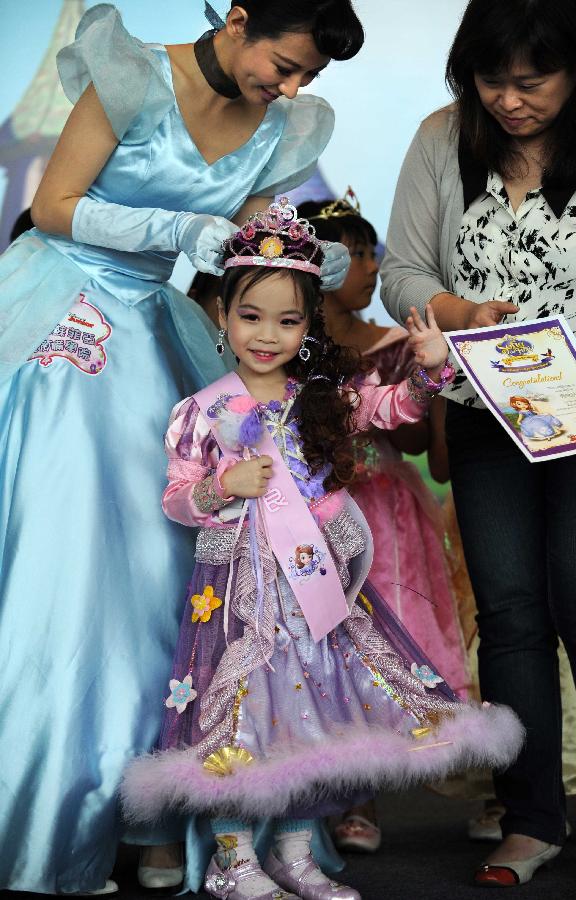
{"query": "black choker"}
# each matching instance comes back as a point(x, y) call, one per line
point(211, 69)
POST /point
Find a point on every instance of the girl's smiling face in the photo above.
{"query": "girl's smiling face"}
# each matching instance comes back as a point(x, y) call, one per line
point(305, 558)
point(265, 324)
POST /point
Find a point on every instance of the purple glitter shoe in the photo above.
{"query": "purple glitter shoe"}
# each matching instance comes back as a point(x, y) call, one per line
point(282, 874)
point(225, 883)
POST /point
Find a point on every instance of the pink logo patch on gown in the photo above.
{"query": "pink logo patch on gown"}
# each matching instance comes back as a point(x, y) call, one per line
point(78, 338)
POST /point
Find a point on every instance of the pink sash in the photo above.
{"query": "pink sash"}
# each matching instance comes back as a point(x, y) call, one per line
point(296, 540)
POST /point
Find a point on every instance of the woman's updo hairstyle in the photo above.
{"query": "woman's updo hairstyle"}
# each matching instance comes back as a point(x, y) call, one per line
point(333, 24)
point(493, 36)
point(326, 414)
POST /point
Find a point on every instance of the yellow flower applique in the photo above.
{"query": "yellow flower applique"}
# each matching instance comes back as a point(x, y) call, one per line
point(204, 604)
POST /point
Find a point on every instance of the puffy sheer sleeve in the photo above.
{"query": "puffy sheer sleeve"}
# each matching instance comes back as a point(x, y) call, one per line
point(385, 406)
point(308, 128)
point(126, 74)
point(194, 494)
point(392, 356)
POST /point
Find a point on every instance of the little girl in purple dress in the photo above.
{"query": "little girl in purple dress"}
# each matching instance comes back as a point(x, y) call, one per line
point(287, 699)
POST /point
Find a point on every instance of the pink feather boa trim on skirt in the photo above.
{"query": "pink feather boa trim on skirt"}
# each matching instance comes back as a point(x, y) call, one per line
point(370, 758)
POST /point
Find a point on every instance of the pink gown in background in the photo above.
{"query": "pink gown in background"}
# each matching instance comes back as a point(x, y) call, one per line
point(406, 521)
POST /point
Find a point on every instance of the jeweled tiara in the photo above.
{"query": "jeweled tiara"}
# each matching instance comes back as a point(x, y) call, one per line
point(277, 238)
point(339, 208)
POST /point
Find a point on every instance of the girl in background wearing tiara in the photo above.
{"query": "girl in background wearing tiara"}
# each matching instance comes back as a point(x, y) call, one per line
point(409, 567)
point(287, 699)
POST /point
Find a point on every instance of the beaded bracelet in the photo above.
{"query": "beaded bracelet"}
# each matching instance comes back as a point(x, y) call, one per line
point(422, 388)
point(446, 376)
point(205, 496)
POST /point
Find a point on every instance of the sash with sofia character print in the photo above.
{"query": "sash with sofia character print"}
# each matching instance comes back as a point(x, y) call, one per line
point(294, 536)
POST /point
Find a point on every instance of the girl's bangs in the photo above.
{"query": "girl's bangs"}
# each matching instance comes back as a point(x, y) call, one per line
point(237, 281)
point(358, 230)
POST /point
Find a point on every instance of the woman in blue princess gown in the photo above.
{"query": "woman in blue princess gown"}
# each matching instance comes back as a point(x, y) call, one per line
point(164, 146)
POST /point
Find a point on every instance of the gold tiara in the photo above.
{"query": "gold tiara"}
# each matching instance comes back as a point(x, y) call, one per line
point(340, 208)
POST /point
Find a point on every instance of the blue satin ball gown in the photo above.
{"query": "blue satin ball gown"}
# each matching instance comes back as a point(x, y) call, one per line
point(96, 348)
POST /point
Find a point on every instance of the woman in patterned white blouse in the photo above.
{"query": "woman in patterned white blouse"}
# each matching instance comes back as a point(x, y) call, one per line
point(484, 227)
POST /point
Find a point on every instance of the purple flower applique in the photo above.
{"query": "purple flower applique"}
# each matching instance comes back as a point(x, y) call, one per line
point(425, 674)
point(182, 694)
point(291, 389)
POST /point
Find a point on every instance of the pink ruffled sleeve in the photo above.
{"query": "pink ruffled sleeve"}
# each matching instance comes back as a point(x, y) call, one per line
point(386, 406)
point(193, 457)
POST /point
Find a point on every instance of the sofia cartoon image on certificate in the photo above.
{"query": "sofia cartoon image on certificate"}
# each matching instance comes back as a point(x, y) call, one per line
point(533, 425)
point(525, 373)
point(306, 561)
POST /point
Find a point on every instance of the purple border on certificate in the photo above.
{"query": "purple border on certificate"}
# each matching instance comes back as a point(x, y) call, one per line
point(524, 329)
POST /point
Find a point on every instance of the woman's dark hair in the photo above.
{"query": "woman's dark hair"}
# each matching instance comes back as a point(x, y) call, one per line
point(353, 228)
point(333, 24)
point(326, 413)
point(23, 223)
point(493, 35)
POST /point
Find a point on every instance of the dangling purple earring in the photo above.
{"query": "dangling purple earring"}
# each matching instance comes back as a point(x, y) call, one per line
point(220, 347)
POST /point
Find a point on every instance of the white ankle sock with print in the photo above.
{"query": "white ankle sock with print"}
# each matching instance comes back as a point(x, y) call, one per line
point(235, 848)
point(292, 842)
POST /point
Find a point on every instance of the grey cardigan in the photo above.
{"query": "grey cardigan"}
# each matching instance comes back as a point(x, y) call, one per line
point(425, 219)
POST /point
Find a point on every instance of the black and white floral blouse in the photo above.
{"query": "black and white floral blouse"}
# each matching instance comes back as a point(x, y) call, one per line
point(527, 257)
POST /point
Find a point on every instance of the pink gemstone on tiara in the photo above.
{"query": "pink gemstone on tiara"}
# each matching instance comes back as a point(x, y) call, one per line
point(248, 231)
point(275, 219)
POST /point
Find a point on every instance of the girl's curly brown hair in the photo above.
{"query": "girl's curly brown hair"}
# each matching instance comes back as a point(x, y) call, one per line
point(326, 412)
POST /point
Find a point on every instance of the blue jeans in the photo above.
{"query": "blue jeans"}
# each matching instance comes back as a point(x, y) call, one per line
point(518, 525)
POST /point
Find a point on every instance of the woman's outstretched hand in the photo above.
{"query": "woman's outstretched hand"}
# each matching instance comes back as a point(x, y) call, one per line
point(427, 341)
point(491, 312)
point(457, 313)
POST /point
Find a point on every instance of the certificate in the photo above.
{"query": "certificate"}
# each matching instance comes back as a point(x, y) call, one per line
point(526, 374)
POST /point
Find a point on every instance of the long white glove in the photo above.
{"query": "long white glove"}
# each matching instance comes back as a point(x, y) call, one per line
point(334, 269)
point(131, 229)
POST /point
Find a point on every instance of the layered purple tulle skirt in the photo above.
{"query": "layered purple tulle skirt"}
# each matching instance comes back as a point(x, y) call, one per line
point(281, 725)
